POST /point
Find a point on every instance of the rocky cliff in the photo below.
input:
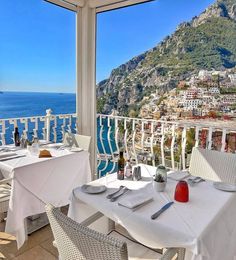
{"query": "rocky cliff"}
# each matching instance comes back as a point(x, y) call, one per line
point(208, 41)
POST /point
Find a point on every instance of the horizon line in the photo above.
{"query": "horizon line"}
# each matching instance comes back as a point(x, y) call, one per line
point(46, 92)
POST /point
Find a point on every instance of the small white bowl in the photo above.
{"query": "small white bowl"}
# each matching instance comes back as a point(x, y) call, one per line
point(159, 186)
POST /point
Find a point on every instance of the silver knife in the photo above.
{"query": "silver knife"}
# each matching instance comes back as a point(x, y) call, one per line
point(11, 158)
point(159, 212)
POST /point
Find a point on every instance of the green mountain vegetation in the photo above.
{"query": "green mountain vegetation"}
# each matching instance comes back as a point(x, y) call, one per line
point(209, 45)
point(206, 42)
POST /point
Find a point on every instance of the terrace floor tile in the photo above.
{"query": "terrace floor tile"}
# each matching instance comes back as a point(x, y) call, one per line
point(44, 237)
point(36, 253)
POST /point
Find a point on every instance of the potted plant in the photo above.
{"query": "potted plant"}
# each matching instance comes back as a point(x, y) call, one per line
point(160, 178)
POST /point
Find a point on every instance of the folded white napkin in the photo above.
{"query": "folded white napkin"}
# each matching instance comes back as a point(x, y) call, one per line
point(7, 154)
point(177, 175)
point(135, 200)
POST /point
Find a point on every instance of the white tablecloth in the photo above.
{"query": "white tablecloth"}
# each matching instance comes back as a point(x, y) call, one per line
point(205, 225)
point(42, 180)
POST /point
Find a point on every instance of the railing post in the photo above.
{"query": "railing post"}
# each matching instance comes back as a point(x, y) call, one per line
point(151, 147)
point(209, 143)
point(48, 120)
point(3, 133)
point(162, 143)
point(142, 135)
point(184, 132)
point(197, 129)
point(223, 140)
point(172, 147)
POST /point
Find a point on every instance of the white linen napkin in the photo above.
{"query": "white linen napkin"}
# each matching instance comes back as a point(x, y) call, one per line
point(135, 200)
point(7, 154)
point(177, 175)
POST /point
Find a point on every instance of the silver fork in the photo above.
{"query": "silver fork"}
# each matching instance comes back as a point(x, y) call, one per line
point(109, 196)
point(116, 197)
point(195, 180)
point(62, 147)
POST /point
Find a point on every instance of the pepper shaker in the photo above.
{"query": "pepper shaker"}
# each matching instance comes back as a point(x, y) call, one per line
point(137, 173)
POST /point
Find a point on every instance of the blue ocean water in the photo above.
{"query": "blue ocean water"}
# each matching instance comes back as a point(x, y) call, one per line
point(27, 104)
point(24, 104)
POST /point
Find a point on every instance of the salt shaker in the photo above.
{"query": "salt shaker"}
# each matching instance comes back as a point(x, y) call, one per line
point(137, 173)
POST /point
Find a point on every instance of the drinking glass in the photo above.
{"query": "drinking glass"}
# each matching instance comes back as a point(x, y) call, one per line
point(182, 192)
point(108, 178)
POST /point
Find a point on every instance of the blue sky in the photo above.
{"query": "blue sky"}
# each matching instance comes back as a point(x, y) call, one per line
point(37, 46)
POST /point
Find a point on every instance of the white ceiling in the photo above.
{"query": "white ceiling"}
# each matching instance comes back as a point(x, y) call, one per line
point(101, 5)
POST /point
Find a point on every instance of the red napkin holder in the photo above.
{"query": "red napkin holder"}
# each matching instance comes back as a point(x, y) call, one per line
point(182, 192)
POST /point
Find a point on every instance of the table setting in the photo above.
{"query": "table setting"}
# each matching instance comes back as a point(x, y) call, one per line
point(16, 156)
point(188, 212)
point(47, 174)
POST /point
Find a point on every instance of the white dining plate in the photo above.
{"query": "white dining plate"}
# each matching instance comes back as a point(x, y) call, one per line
point(7, 154)
point(225, 186)
point(93, 189)
point(54, 145)
point(44, 142)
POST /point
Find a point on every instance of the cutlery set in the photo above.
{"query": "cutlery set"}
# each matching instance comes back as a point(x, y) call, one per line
point(115, 195)
point(109, 196)
point(62, 147)
point(114, 198)
point(194, 180)
point(11, 158)
point(123, 190)
point(6, 149)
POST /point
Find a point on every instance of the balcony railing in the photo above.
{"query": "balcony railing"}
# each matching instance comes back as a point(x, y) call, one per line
point(143, 140)
point(154, 142)
point(49, 127)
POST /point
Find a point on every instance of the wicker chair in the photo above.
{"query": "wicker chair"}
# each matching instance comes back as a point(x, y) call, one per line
point(213, 165)
point(76, 140)
point(5, 192)
point(77, 242)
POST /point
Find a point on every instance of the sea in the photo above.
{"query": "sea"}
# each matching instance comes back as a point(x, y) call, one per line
point(27, 104)
point(24, 104)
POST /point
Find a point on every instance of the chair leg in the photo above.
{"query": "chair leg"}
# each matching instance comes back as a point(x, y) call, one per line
point(111, 225)
point(2, 217)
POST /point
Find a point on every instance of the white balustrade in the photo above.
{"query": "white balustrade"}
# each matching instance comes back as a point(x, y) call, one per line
point(46, 127)
point(133, 140)
point(136, 136)
point(172, 147)
point(162, 143)
point(210, 131)
point(197, 129)
point(144, 136)
point(183, 144)
point(223, 140)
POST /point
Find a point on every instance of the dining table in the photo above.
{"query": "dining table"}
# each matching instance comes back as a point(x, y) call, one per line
point(204, 226)
point(38, 181)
